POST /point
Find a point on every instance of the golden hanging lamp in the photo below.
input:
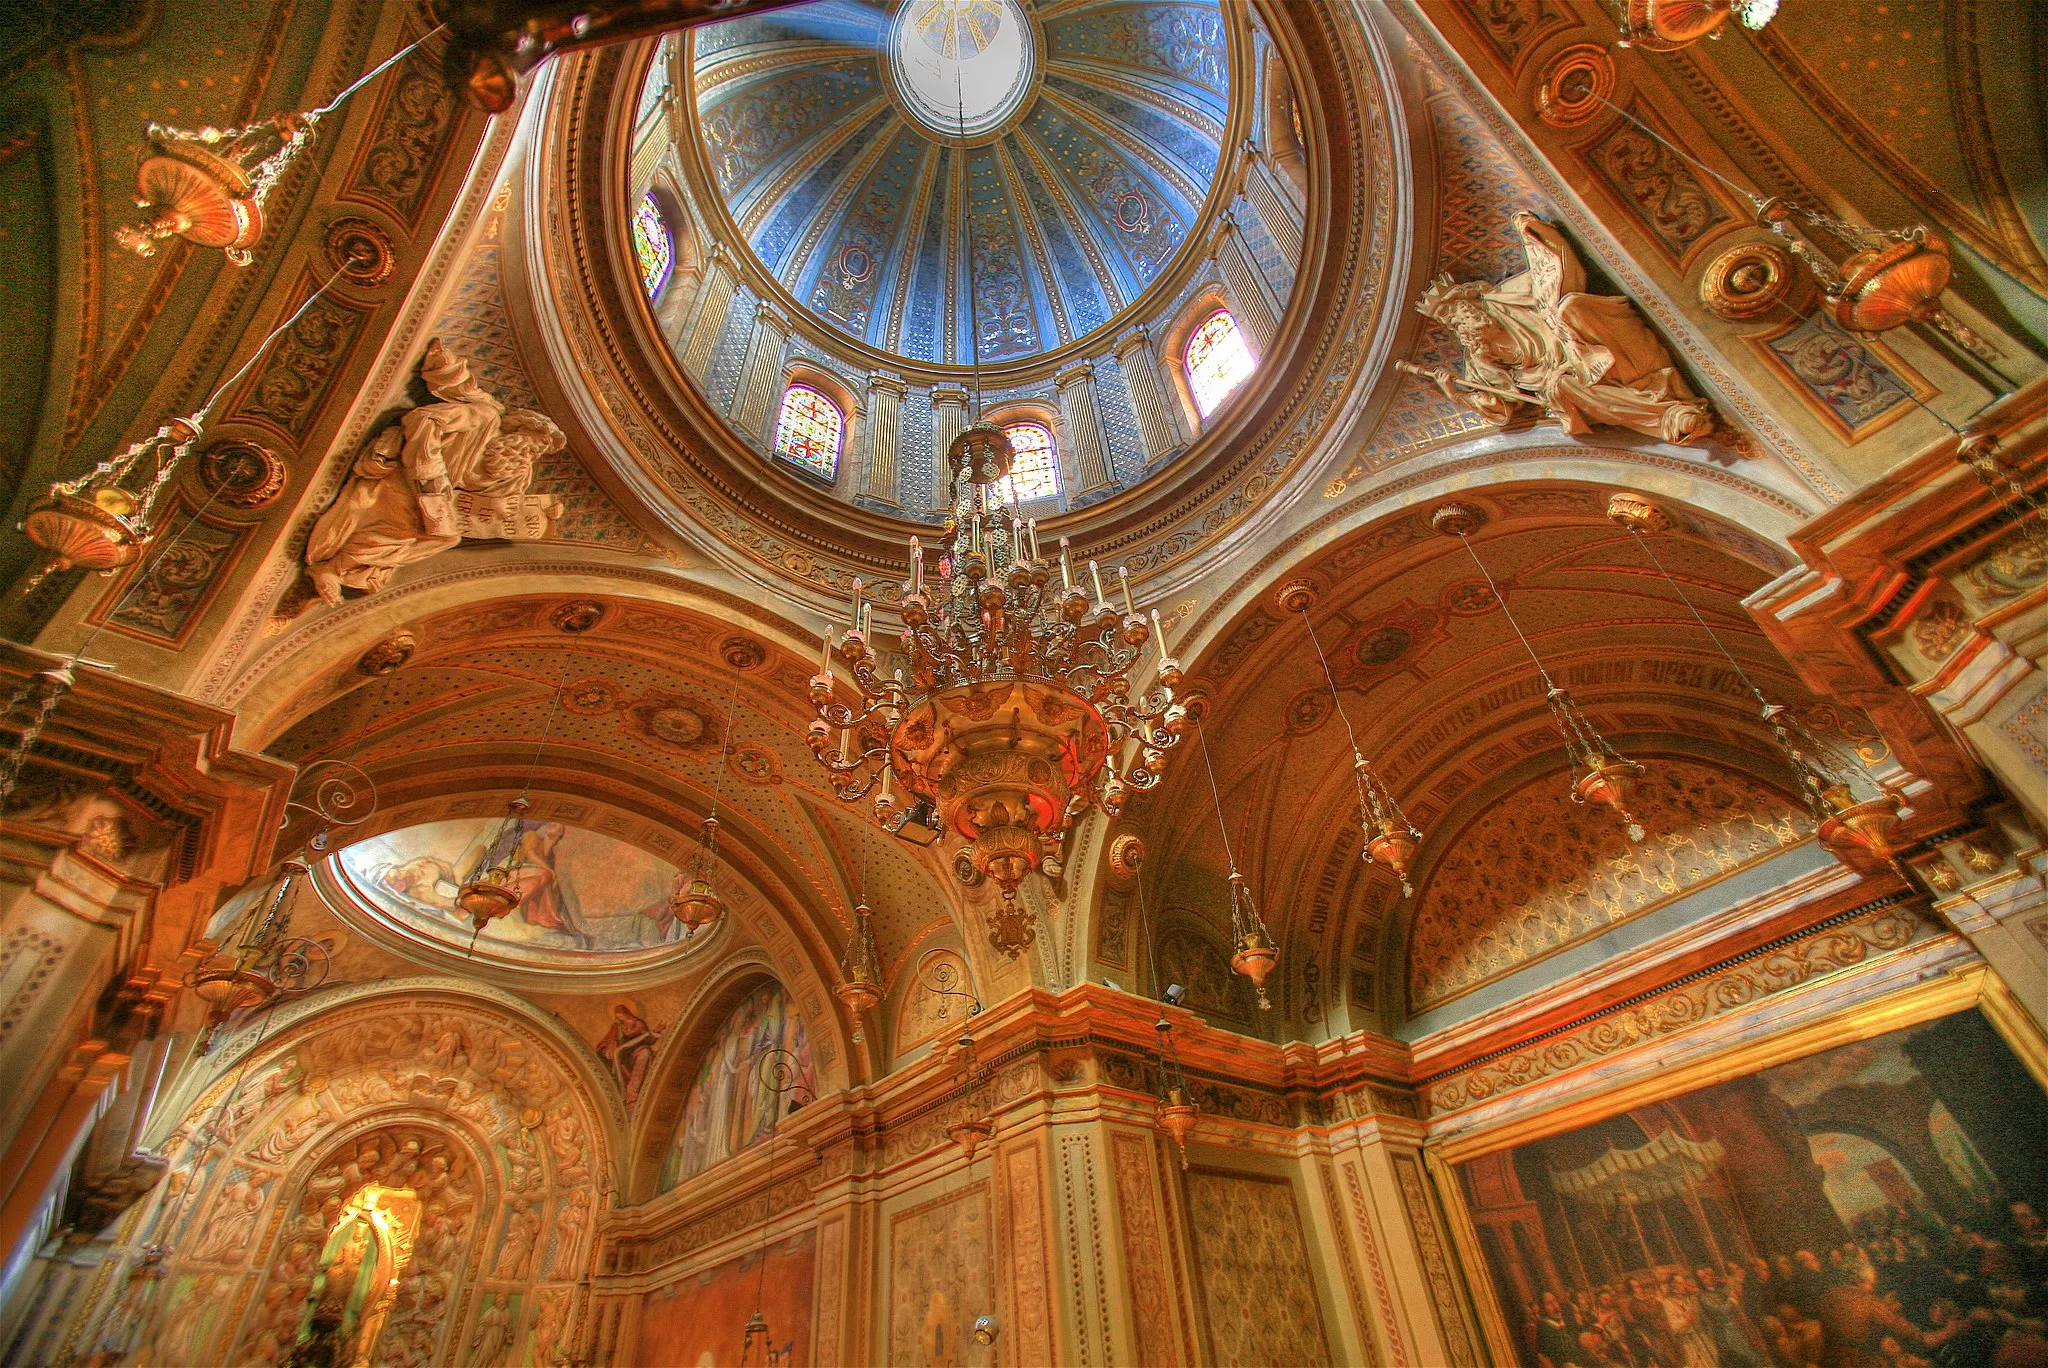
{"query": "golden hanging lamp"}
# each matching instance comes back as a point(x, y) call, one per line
point(493, 891)
point(1176, 1112)
point(860, 985)
point(1844, 822)
point(1599, 773)
point(1668, 25)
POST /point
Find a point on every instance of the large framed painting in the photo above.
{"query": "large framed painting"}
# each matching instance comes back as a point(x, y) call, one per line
point(1876, 1205)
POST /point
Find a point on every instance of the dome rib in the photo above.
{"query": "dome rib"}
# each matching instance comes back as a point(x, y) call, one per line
point(1081, 196)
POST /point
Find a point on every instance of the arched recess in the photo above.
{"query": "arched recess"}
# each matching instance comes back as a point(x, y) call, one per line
point(675, 1066)
point(1434, 680)
point(270, 1139)
point(1173, 350)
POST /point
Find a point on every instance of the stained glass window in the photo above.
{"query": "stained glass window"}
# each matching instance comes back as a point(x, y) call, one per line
point(1035, 474)
point(809, 430)
point(1217, 360)
point(653, 245)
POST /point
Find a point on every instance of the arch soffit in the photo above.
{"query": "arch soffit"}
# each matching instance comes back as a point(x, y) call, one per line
point(254, 1047)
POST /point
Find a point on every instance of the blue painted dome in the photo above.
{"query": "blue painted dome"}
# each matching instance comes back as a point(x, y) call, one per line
point(1094, 131)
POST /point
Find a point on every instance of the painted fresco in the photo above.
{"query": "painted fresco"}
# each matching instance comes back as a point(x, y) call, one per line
point(585, 894)
point(941, 1276)
point(1873, 1206)
point(700, 1321)
point(1258, 1301)
point(731, 1104)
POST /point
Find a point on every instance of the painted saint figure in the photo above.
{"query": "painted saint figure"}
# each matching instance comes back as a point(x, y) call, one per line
point(629, 1048)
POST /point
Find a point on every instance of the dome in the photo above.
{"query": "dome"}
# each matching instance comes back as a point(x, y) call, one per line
point(1093, 135)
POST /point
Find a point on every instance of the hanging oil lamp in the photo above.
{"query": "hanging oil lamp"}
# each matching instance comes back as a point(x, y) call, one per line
point(1668, 25)
point(695, 900)
point(970, 1127)
point(1177, 1112)
point(266, 964)
point(1844, 822)
point(209, 186)
point(1599, 774)
point(492, 890)
point(860, 986)
point(1253, 953)
point(1390, 838)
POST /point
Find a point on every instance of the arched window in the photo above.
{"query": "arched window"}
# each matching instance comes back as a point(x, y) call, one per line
point(1035, 474)
point(1217, 360)
point(810, 430)
point(652, 245)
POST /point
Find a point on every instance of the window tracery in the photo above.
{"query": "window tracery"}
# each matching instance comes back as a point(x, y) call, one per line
point(1216, 361)
point(810, 431)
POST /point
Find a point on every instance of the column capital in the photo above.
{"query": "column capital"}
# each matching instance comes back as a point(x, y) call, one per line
point(768, 316)
point(887, 382)
point(1129, 340)
point(1074, 374)
point(949, 394)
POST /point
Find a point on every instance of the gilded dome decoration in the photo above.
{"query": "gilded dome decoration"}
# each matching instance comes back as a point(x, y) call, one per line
point(1092, 143)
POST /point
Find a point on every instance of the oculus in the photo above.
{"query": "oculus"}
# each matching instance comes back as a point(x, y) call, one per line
point(962, 67)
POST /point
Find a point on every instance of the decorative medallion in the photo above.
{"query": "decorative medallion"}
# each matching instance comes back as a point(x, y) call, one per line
point(1575, 86)
point(242, 474)
point(1939, 629)
point(591, 697)
point(1296, 596)
point(1748, 281)
point(1635, 513)
point(742, 653)
point(673, 721)
point(388, 655)
point(756, 766)
point(361, 252)
point(1307, 710)
point(577, 616)
point(1126, 856)
point(1467, 598)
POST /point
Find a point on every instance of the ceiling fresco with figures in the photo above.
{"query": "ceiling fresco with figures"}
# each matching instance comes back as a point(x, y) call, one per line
point(641, 725)
point(1094, 135)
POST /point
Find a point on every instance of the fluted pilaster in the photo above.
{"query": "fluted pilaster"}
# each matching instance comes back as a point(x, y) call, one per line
point(1159, 421)
point(1275, 208)
point(696, 335)
point(949, 416)
point(762, 375)
point(884, 429)
point(1251, 299)
point(1085, 452)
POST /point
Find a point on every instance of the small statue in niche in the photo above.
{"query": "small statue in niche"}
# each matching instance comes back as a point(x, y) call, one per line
point(1537, 339)
point(445, 471)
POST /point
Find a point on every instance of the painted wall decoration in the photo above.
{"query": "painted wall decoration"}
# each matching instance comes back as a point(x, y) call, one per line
point(1251, 1260)
point(587, 895)
point(941, 1276)
point(1486, 911)
point(628, 1047)
point(730, 1104)
point(1856, 386)
point(921, 1015)
point(1875, 1204)
point(699, 1321)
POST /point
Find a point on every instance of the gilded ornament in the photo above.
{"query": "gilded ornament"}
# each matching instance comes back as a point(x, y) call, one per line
point(242, 474)
point(361, 252)
point(576, 616)
point(1635, 513)
point(1126, 856)
point(1575, 85)
point(1748, 281)
point(1296, 596)
point(389, 655)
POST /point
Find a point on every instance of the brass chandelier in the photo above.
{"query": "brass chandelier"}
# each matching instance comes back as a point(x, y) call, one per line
point(1013, 709)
